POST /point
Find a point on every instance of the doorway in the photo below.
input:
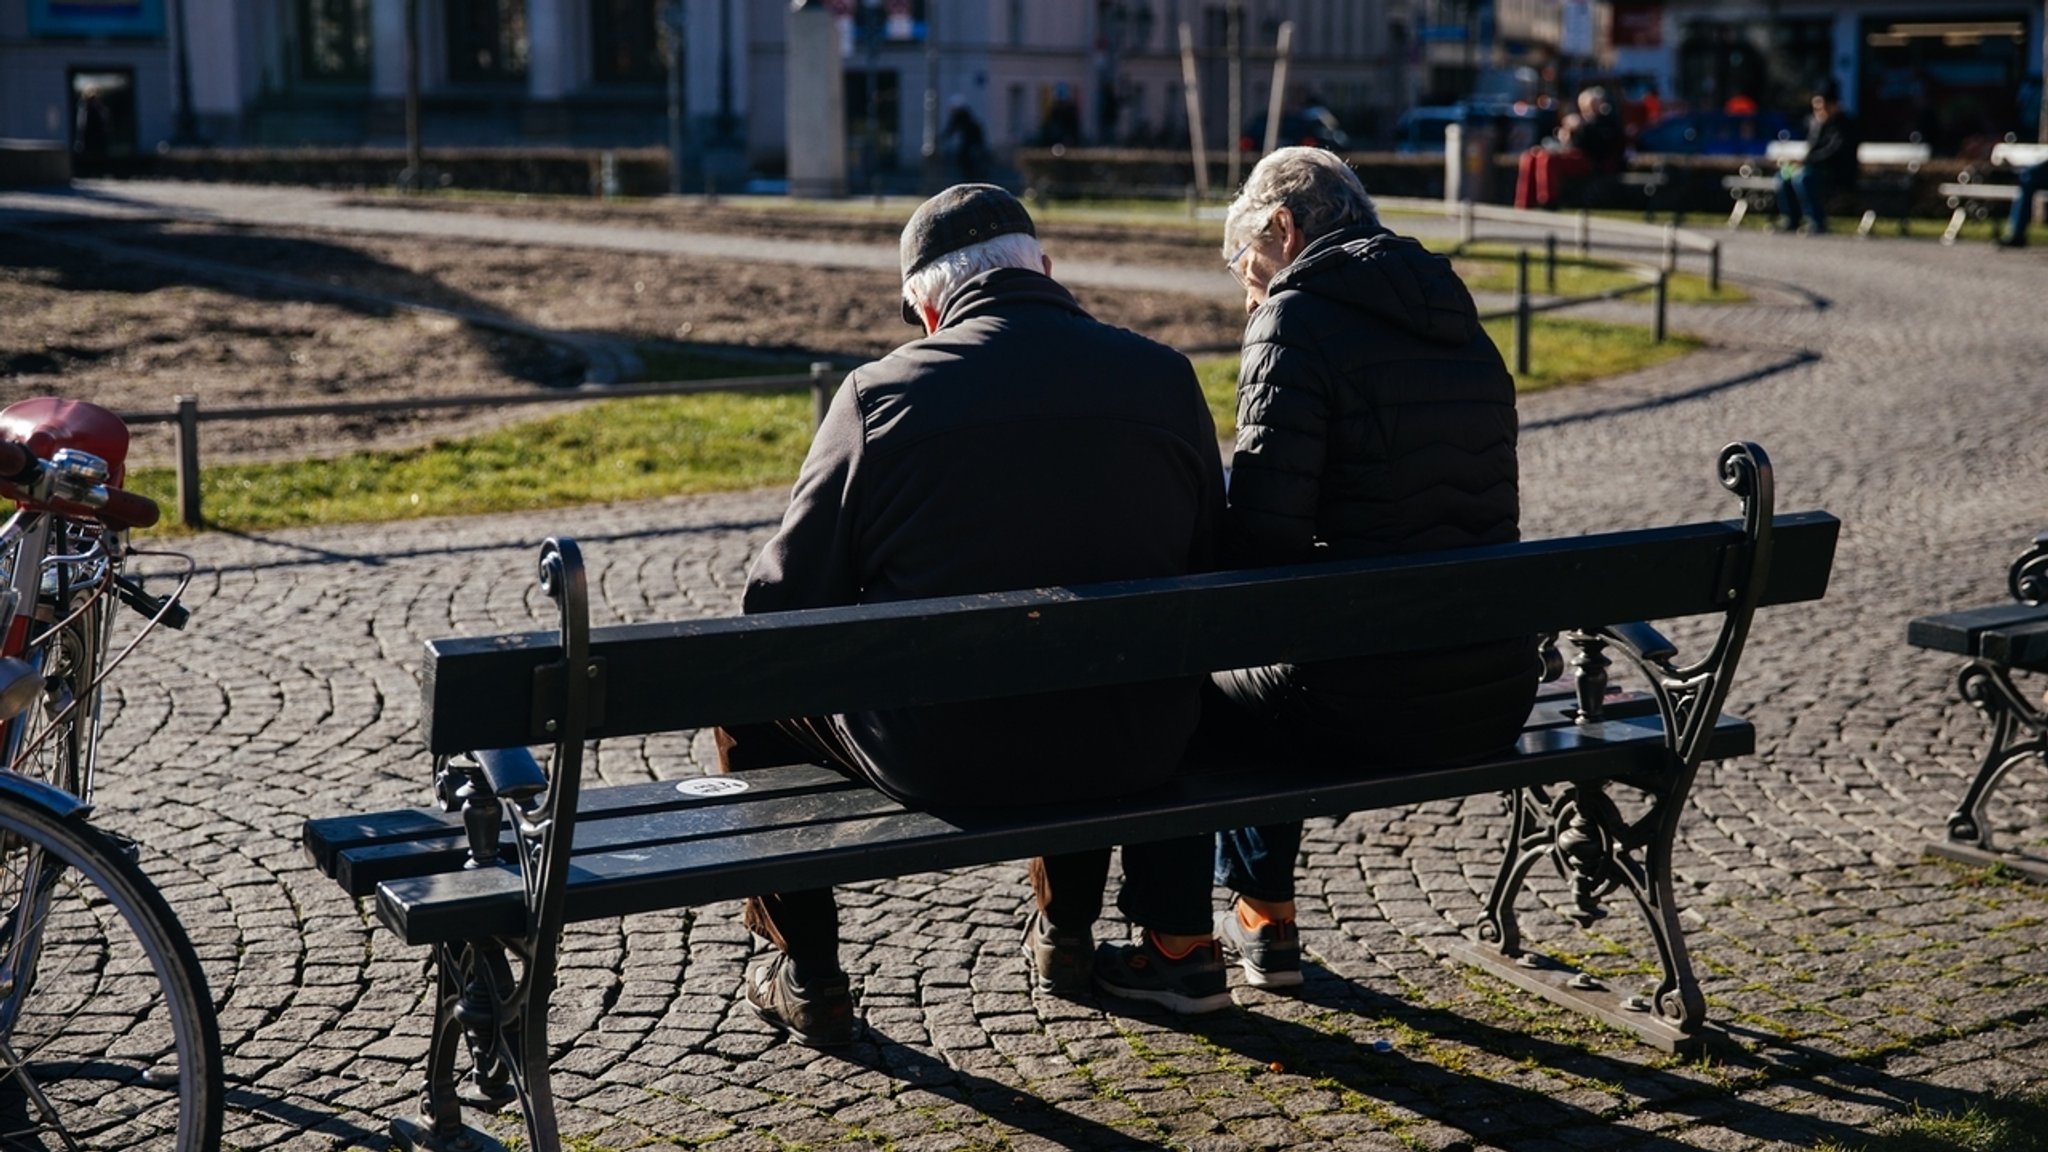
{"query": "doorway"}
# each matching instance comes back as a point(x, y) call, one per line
point(102, 102)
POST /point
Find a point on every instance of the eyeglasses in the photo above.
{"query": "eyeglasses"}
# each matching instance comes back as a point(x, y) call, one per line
point(1230, 265)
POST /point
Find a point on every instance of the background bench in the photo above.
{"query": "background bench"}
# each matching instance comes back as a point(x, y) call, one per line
point(1976, 195)
point(488, 878)
point(1996, 641)
point(1884, 181)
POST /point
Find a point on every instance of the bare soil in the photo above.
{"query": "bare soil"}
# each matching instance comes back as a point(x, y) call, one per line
point(80, 318)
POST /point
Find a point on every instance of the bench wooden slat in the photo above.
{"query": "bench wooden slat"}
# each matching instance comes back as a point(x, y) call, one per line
point(865, 846)
point(691, 674)
point(360, 869)
point(1962, 632)
point(361, 852)
point(325, 839)
point(2023, 646)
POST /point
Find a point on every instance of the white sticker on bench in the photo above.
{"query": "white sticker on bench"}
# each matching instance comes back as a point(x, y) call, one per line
point(712, 786)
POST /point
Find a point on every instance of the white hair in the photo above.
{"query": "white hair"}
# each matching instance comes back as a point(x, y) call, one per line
point(1316, 186)
point(933, 285)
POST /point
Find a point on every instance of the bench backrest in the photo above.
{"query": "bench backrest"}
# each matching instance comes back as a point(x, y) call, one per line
point(493, 691)
point(2019, 155)
point(1893, 155)
point(1880, 154)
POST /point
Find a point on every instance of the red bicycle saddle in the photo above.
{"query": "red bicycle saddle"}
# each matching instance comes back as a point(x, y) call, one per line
point(47, 424)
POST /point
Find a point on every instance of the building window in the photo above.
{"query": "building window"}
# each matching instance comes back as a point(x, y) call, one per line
point(1017, 23)
point(334, 39)
point(626, 41)
point(486, 39)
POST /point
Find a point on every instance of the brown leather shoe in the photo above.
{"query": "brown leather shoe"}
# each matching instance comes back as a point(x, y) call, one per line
point(1061, 963)
point(818, 1016)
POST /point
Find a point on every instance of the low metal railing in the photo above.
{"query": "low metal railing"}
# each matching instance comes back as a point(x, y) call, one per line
point(186, 416)
point(1671, 244)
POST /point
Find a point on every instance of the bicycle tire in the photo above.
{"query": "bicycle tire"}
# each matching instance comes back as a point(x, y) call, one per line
point(111, 1041)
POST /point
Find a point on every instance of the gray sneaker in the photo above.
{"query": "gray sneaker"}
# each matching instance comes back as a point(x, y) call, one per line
point(1269, 958)
point(1191, 985)
point(1059, 961)
point(818, 1016)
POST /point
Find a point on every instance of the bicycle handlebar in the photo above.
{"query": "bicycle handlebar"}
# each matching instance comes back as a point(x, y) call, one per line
point(22, 475)
point(16, 461)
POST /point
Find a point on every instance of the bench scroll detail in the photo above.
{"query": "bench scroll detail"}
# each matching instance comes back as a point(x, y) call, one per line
point(1598, 849)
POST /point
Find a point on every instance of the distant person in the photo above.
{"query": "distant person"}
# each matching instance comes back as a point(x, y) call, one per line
point(93, 131)
point(1061, 126)
point(1017, 443)
point(1588, 143)
point(1829, 166)
point(965, 141)
point(2033, 180)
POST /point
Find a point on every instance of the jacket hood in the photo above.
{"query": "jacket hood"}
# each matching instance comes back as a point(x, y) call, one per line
point(1392, 277)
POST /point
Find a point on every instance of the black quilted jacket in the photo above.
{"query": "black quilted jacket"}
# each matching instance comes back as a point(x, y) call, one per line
point(1375, 417)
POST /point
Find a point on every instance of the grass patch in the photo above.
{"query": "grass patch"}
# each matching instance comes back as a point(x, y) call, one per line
point(614, 450)
point(1994, 1124)
point(1491, 268)
point(1561, 353)
point(647, 448)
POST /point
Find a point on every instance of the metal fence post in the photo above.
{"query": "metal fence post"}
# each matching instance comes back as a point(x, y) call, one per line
point(1671, 248)
point(188, 461)
point(1663, 294)
point(1714, 267)
point(1550, 263)
point(1522, 312)
point(821, 392)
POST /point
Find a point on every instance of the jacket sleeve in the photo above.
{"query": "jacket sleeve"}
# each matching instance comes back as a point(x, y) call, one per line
point(1283, 415)
point(810, 561)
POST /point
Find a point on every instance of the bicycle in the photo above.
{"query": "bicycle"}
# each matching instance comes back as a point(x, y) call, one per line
point(108, 1037)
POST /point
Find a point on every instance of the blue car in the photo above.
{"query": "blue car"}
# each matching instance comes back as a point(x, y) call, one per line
point(1713, 134)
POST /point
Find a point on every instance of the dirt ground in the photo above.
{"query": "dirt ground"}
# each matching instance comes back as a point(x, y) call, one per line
point(80, 317)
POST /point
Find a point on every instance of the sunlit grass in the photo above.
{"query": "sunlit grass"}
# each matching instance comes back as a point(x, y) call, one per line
point(1491, 268)
point(612, 450)
point(1561, 353)
point(1993, 1124)
point(641, 449)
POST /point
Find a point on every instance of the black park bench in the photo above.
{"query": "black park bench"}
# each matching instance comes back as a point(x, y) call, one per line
point(488, 877)
point(1996, 641)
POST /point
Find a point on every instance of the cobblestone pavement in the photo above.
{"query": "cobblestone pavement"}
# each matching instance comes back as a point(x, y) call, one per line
point(1852, 979)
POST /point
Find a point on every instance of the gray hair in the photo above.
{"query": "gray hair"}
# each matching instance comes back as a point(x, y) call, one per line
point(934, 284)
point(1316, 187)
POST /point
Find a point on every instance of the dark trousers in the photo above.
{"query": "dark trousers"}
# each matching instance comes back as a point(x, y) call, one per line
point(1805, 192)
point(1165, 888)
point(1269, 713)
point(2032, 181)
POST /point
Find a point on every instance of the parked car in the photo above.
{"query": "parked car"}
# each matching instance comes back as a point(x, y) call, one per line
point(1515, 125)
point(1313, 127)
point(1713, 134)
point(1421, 129)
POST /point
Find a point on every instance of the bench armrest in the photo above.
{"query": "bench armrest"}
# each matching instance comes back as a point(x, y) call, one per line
point(1646, 643)
point(2028, 579)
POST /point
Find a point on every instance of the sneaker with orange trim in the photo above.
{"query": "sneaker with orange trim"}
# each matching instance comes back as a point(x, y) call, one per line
point(1190, 985)
point(1269, 956)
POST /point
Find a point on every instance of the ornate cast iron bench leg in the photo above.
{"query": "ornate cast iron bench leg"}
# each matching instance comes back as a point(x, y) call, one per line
point(2019, 732)
point(1595, 846)
point(486, 1002)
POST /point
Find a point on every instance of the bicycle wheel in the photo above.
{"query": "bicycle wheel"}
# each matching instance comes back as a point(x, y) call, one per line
point(107, 1033)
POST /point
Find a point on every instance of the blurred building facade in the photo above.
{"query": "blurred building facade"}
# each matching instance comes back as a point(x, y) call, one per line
point(595, 72)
